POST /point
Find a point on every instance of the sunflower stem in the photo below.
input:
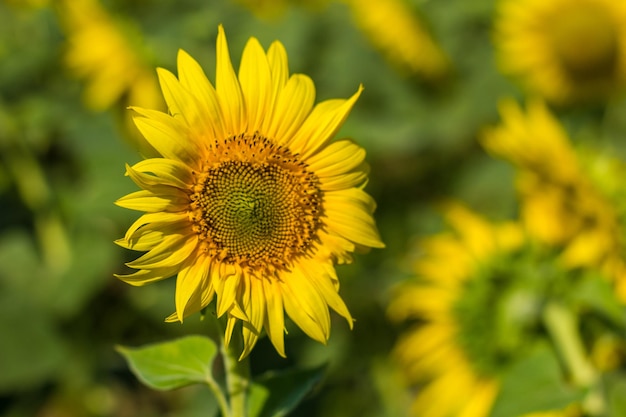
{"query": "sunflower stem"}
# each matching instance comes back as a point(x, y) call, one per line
point(237, 375)
point(562, 325)
point(219, 396)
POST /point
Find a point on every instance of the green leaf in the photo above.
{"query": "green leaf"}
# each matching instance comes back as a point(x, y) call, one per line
point(32, 351)
point(615, 388)
point(172, 364)
point(532, 384)
point(595, 292)
point(275, 394)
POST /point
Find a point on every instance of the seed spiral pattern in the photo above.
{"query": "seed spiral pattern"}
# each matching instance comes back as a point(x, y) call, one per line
point(255, 204)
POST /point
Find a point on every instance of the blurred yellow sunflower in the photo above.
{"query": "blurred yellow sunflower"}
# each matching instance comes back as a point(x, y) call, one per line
point(250, 200)
point(568, 200)
point(449, 350)
point(564, 50)
point(108, 57)
point(396, 30)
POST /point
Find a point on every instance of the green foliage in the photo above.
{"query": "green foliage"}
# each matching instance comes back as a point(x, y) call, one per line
point(275, 394)
point(173, 364)
point(594, 293)
point(190, 360)
point(534, 383)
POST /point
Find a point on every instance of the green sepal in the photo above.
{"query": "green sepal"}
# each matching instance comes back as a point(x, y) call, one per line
point(172, 364)
point(276, 394)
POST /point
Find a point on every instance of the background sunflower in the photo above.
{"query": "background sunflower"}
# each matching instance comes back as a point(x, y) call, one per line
point(566, 51)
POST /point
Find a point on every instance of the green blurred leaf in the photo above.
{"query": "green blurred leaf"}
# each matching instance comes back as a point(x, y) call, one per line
point(615, 388)
point(172, 364)
point(534, 383)
point(275, 394)
point(595, 292)
point(31, 352)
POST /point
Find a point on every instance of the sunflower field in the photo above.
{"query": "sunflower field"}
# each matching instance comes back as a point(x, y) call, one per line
point(345, 208)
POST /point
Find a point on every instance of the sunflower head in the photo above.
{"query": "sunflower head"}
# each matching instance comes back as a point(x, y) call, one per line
point(250, 201)
point(571, 199)
point(127, 77)
point(455, 342)
point(566, 51)
point(472, 311)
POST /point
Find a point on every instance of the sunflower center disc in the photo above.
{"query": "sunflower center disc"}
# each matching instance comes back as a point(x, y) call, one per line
point(586, 42)
point(256, 204)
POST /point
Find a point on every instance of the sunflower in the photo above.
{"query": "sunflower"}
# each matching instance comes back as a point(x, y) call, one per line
point(452, 349)
point(396, 30)
point(567, 51)
point(250, 200)
point(569, 200)
point(109, 55)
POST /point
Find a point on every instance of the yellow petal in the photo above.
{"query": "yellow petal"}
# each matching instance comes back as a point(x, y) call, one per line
point(481, 401)
point(152, 183)
point(336, 159)
point(193, 78)
point(358, 178)
point(274, 316)
point(148, 237)
point(292, 107)
point(337, 247)
point(146, 201)
point(192, 279)
point(321, 281)
point(305, 306)
point(277, 59)
point(182, 104)
point(169, 136)
point(172, 251)
point(347, 214)
point(167, 171)
point(155, 220)
point(256, 84)
point(146, 276)
point(228, 90)
point(229, 281)
point(230, 326)
point(279, 68)
point(254, 307)
point(322, 124)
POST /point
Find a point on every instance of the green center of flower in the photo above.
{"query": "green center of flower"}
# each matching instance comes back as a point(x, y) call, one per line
point(256, 204)
point(585, 41)
point(499, 311)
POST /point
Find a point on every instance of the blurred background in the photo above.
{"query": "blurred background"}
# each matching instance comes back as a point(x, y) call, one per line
point(434, 74)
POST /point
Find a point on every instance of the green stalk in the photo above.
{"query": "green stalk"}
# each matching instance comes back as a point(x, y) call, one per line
point(219, 396)
point(237, 375)
point(562, 325)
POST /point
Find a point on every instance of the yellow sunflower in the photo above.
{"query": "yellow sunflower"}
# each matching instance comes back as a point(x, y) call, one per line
point(395, 29)
point(564, 50)
point(438, 353)
point(101, 51)
point(250, 200)
point(568, 200)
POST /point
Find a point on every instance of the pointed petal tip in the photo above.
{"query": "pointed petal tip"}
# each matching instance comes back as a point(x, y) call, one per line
point(134, 283)
point(121, 242)
point(356, 95)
